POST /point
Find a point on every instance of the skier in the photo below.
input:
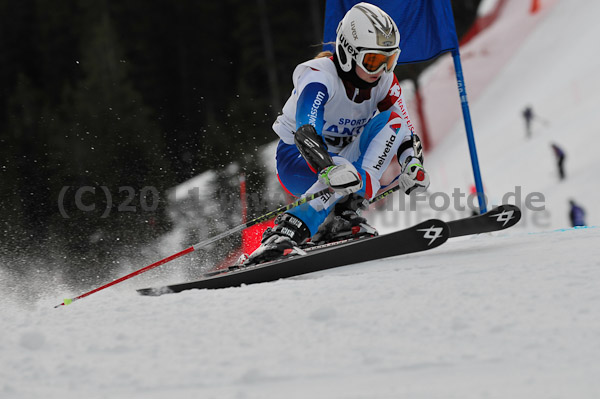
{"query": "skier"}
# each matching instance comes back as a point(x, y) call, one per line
point(576, 214)
point(528, 116)
point(560, 160)
point(332, 136)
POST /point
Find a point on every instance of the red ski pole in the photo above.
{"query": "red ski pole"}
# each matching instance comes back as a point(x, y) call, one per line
point(152, 266)
point(204, 243)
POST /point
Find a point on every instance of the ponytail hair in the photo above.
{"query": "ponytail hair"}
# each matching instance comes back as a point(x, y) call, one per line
point(324, 54)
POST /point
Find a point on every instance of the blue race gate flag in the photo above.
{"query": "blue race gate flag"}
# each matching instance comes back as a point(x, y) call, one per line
point(426, 26)
point(426, 31)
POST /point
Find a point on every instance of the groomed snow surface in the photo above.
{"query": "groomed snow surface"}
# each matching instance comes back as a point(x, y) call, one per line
point(514, 314)
point(505, 316)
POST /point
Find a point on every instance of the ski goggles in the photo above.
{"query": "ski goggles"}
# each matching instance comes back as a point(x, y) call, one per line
point(373, 61)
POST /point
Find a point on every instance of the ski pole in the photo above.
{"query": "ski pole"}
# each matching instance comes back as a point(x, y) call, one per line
point(384, 194)
point(204, 243)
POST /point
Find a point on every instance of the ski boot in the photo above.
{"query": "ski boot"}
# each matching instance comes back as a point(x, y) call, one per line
point(345, 222)
point(283, 239)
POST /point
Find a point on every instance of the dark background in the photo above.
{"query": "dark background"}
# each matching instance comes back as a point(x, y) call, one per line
point(137, 93)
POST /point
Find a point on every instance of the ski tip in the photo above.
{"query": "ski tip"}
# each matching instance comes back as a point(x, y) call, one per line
point(506, 215)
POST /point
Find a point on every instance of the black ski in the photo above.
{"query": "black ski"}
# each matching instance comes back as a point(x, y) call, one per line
point(499, 218)
point(423, 236)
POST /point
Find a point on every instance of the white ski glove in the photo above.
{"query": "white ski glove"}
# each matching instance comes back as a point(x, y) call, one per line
point(343, 179)
point(413, 176)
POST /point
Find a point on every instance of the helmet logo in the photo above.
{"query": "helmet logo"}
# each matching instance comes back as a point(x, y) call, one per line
point(351, 50)
point(353, 27)
point(383, 25)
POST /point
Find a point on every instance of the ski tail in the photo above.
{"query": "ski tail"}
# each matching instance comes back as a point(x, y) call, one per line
point(499, 218)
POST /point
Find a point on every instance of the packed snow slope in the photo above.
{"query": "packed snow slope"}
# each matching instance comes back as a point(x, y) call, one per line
point(505, 315)
point(554, 69)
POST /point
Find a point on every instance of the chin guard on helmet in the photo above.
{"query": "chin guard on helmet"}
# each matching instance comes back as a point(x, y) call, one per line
point(312, 147)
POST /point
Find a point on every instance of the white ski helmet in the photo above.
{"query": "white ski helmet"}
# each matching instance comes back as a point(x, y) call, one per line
point(369, 37)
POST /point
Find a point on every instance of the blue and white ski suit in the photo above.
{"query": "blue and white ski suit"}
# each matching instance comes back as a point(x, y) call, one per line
point(362, 126)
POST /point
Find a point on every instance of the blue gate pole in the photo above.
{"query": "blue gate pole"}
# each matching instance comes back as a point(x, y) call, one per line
point(462, 92)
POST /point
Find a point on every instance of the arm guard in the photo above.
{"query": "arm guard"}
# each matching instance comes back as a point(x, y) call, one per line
point(313, 148)
point(413, 142)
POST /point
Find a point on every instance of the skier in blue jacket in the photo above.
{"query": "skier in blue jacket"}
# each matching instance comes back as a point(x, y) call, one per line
point(576, 214)
point(341, 127)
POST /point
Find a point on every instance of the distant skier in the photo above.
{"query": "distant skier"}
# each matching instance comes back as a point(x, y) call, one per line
point(528, 116)
point(576, 214)
point(330, 135)
point(560, 160)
